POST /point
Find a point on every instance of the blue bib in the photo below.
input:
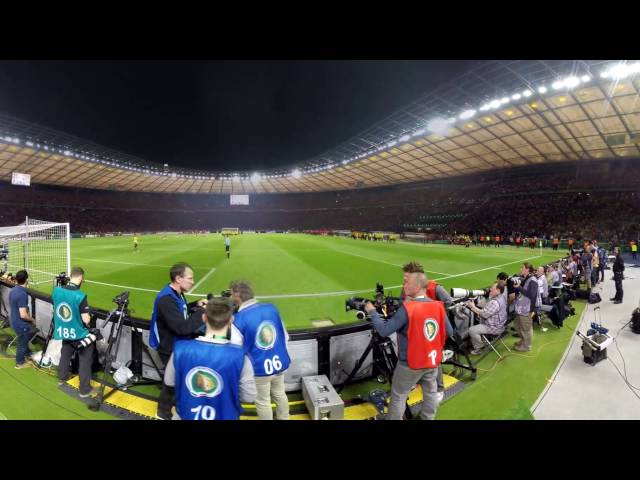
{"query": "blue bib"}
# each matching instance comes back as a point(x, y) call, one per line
point(264, 338)
point(208, 380)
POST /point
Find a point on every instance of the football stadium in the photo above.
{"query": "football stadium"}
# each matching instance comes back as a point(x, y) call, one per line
point(469, 255)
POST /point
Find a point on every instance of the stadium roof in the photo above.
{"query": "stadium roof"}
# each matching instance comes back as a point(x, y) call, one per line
point(502, 114)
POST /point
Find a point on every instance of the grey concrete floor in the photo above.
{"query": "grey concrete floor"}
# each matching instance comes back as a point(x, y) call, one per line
point(579, 391)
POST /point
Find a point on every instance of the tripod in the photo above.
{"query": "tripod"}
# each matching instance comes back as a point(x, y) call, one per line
point(384, 361)
point(117, 317)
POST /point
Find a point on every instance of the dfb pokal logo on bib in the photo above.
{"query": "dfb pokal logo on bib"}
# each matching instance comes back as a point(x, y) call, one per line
point(266, 336)
point(430, 329)
point(64, 312)
point(204, 382)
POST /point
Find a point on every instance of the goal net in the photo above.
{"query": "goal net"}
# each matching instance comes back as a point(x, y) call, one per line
point(230, 231)
point(41, 248)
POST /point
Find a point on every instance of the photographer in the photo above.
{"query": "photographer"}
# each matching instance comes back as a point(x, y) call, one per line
point(21, 320)
point(525, 306)
point(585, 262)
point(170, 320)
point(71, 316)
point(422, 332)
point(434, 292)
point(618, 269)
point(208, 364)
point(493, 317)
point(265, 339)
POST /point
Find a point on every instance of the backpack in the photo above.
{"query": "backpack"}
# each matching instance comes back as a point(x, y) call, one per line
point(594, 298)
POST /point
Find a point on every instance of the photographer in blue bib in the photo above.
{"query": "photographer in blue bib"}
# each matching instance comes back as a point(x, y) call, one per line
point(210, 374)
point(71, 315)
point(171, 320)
point(265, 340)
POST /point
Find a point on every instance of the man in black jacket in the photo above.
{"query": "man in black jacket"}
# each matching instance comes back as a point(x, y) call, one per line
point(171, 320)
point(618, 268)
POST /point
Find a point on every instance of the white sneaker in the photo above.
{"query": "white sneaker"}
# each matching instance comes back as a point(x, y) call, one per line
point(440, 397)
point(446, 355)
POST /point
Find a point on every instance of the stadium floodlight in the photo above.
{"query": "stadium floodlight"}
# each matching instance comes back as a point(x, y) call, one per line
point(621, 70)
point(404, 138)
point(67, 153)
point(585, 78)
point(504, 100)
point(16, 140)
point(516, 96)
point(485, 107)
point(494, 104)
point(391, 143)
point(527, 93)
point(467, 114)
point(29, 144)
point(417, 133)
point(557, 85)
point(438, 125)
point(542, 89)
point(255, 177)
point(46, 147)
point(571, 82)
point(296, 173)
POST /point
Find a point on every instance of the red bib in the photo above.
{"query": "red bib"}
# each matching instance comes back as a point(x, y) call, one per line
point(426, 334)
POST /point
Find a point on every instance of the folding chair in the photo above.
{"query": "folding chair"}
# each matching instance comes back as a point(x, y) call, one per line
point(491, 339)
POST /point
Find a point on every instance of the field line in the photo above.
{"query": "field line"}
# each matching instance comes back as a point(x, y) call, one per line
point(310, 295)
point(379, 261)
point(131, 263)
point(203, 279)
point(488, 268)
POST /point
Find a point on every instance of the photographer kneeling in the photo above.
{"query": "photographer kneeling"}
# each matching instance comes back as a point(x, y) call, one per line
point(492, 317)
point(422, 330)
point(71, 316)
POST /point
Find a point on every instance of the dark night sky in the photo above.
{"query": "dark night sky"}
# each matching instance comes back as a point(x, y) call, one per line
point(216, 115)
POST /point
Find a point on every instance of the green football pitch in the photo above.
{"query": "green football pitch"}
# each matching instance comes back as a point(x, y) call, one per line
point(307, 277)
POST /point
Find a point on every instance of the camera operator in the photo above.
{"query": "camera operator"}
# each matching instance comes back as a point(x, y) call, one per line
point(554, 281)
point(434, 292)
point(265, 339)
point(71, 316)
point(493, 317)
point(585, 261)
point(208, 364)
point(618, 269)
point(21, 320)
point(422, 332)
point(170, 320)
point(525, 306)
point(602, 257)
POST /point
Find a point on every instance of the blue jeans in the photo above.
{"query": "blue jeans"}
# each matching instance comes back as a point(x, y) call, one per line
point(24, 335)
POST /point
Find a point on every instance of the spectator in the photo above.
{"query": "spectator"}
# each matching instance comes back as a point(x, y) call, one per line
point(21, 320)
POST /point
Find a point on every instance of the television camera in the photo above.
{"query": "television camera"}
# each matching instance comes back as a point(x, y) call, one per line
point(61, 280)
point(385, 305)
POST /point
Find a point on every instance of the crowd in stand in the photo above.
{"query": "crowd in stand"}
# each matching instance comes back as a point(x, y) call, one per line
point(560, 201)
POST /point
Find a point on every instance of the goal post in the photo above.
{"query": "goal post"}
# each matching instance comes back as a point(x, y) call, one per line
point(230, 231)
point(40, 247)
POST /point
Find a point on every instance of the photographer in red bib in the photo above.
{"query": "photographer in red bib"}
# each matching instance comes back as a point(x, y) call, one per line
point(422, 330)
point(434, 292)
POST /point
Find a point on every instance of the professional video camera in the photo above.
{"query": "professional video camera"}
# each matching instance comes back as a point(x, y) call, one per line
point(62, 279)
point(122, 300)
point(385, 305)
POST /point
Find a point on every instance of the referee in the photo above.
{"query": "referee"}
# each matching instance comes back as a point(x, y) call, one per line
point(227, 245)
